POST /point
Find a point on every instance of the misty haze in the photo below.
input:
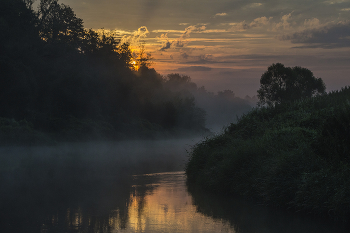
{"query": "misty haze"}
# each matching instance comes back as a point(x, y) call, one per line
point(174, 116)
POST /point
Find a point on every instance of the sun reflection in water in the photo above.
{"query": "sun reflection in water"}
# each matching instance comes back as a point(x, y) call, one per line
point(158, 203)
point(168, 208)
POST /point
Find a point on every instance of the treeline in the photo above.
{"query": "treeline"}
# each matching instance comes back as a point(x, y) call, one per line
point(65, 81)
point(221, 108)
point(61, 81)
point(294, 154)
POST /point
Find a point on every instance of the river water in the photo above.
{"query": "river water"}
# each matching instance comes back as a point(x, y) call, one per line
point(134, 186)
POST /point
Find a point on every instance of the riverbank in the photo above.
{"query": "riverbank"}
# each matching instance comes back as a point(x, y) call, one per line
point(293, 155)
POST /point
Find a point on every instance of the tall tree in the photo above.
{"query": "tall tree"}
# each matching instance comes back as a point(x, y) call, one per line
point(58, 23)
point(284, 84)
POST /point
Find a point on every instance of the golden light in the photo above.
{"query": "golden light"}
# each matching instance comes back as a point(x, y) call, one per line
point(134, 65)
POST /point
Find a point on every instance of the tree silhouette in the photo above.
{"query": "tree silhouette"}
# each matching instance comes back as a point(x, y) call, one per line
point(58, 23)
point(143, 59)
point(284, 84)
point(69, 82)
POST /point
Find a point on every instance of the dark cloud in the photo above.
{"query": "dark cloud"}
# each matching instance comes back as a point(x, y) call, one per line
point(195, 68)
point(332, 36)
point(178, 43)
point(166, 46)
point(184, 55)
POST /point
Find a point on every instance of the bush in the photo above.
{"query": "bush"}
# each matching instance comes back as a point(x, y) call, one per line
point(294, 155)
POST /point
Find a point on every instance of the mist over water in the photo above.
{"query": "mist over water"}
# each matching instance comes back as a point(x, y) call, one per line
point(130, 186)
point(50, 185)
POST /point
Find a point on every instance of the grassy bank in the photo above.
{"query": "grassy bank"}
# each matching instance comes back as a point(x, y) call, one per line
point(293, 155)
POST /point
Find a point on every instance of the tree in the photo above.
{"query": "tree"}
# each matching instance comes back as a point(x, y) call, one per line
point(17, 23)
point(125, 55)
point(58, 23)
point(285, 84)
point(143, 60)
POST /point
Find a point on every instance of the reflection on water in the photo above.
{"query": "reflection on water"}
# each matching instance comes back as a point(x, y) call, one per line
point(92, 189)
point(168, 207)
point(158, 202)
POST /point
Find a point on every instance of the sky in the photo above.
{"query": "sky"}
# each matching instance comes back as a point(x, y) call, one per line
point(228, 44)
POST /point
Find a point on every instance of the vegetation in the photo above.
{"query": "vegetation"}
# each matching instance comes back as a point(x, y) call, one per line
point(62, 82)
point(221, 108)
point(294, 154)
point(69, 83)
point(284, 84)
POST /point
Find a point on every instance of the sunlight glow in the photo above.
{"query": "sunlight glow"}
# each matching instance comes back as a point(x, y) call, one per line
point(134, 64)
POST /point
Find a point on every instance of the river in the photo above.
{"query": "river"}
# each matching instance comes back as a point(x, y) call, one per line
point(134, 186)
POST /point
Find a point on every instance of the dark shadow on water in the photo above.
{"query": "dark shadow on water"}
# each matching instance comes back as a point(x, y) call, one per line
point(246, 217)
point(62, 198)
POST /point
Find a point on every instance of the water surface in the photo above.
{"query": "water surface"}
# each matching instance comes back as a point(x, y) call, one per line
point(125, 187)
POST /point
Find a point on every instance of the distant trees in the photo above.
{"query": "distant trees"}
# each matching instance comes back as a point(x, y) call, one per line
point(221, 109)
point(284, 84)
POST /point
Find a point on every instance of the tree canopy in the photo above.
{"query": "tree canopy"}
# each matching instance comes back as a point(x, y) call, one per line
point(64, 80)
point(284, 84)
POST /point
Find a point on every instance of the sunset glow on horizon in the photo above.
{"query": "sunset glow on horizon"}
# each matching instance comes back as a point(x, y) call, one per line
point(228, 44)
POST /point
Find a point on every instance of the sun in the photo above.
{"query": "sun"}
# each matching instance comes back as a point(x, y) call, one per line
point(134, 64)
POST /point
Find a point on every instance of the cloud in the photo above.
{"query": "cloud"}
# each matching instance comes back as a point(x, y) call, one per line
point(166, 46)
point(284, 24)
point(335, 2)
point(195, 68)
point(168, 31)
point(184, 55)
point(254, 5)
point(242, 26)
point(312, 23)
point(220, 14)
point(136, 36)
point(214, 31)
point(181, 41)
point(115, 32)
point(258, 22)
point(335, 35)
point(193, 28)
point(201, 59)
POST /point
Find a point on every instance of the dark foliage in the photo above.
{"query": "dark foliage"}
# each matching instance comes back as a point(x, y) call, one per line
point(284, 84)
point(69, 82)
point(294, 155)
